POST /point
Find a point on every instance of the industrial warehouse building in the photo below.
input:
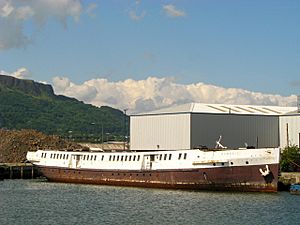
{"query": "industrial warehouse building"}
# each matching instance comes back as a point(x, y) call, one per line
point(194, 125)
point(289, 126)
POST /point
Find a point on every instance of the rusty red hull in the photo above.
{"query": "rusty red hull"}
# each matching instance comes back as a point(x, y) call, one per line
point(244, 178)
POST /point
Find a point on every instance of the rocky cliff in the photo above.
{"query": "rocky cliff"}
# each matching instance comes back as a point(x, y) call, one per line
point(26, 86)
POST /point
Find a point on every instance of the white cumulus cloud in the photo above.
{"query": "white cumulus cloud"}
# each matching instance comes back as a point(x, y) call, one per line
point(14, 14)
point(21, 73)
point(156, 93)
point(172, 11)
point(61, 83)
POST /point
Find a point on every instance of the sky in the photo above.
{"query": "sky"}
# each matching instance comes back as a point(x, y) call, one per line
point(143, 55)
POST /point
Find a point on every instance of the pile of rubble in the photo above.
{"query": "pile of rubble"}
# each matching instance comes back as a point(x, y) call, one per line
point(14, 144)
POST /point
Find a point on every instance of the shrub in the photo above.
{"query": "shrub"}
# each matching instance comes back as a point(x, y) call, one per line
point(290, 159)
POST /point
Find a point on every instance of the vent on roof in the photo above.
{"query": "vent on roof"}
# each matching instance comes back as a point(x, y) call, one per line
point(257, 109)
point(244, 109)
point(230, 109)
point(216, 108)
point(271, 110)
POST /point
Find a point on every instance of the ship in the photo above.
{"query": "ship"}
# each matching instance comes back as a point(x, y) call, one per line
point(251, 170)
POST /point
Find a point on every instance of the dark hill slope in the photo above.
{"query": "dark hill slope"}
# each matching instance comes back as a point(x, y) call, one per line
point(25, 104)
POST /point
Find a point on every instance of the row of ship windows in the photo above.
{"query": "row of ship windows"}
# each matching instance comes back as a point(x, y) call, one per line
point(137, 158)
point(124, 158)
point(66, 156)
point(115, 158)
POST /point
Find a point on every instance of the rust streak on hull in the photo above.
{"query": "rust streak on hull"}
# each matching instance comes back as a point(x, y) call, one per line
point(244, 178)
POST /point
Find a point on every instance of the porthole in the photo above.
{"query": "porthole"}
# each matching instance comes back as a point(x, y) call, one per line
point(179, 156)
point(214, 164)
point(247, 162)
point(165, 157)
point(231, 163)
point(222, 164)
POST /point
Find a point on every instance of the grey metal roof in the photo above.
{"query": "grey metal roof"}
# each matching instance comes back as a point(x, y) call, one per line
point(224, 109)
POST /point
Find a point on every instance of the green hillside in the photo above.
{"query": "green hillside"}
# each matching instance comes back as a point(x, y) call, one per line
point(25, 104)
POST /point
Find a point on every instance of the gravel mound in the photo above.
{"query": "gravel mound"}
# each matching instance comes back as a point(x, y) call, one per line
point(14, 144)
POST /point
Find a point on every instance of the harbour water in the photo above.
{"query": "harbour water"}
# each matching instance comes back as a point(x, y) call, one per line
point(41, 202)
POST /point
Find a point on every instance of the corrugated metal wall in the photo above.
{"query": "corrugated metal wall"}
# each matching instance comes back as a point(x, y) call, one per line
point(186, 131)
point(289, 127)
point(235, 130)
point(164, 132)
